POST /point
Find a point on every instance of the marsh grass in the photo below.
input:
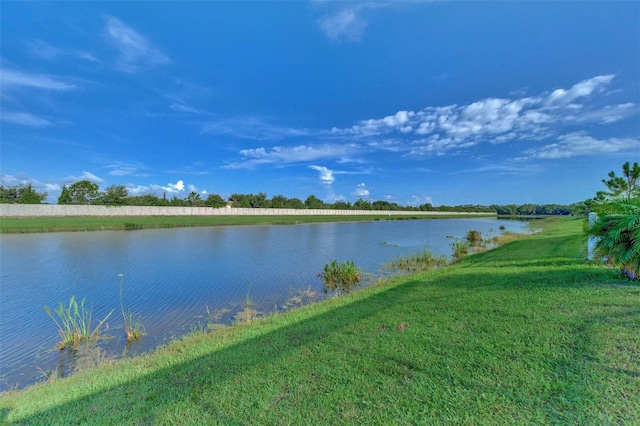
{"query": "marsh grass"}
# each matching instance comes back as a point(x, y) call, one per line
point(340, 278)
point(132, 322)
point(416, 262)
point(74, 323)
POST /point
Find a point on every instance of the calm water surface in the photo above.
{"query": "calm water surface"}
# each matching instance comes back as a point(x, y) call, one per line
point(181, 279)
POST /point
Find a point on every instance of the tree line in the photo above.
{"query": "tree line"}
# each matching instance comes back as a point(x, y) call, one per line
point(88, 193)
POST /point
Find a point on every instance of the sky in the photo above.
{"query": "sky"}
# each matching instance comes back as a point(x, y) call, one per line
point(413, 102)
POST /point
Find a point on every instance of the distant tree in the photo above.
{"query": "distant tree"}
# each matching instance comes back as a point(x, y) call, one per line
point(259, 201)
point(362, 205)
point(239, 200)
point(313, 202)
point(83, 192)
point(64, 197)
point(214, 200)
point(342, 205)
point(194, 200)
point(21, 194)
point(279, 202)
point(295, 203)
point(114, 195)
point(144, 200)
point(9, 195)
point(29, 196)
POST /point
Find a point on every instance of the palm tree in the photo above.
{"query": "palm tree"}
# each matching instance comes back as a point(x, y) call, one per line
point(617, 231)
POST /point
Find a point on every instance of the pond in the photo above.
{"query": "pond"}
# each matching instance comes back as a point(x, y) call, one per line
point(180, 280)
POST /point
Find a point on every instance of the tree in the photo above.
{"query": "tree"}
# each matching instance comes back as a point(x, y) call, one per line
point(64, 197)
point(362, 205)
point(21, 194)
point(194, 200)
point(625, 185)
point(214, 200)
point(617, 231)
point(83, 192)
point(313, 202)
point(115, 195)
point(29, 196)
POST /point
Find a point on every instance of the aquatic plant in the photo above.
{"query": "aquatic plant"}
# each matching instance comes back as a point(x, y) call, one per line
point(459, 248)
point(74, 325)
point(340, 278)
point(132, 324)
point(420, 261)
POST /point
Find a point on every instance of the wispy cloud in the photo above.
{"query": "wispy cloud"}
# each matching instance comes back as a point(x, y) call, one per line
point(50, 52)
point(579, 144)
point(85, 176)
point(24, 179)
point(135, 51)
point(11, 78)
point(348, 22)
point(253, 128)
point(24, 119)
point(293, 154)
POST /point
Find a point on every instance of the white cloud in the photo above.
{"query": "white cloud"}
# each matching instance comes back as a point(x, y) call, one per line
point(24, 179)
point(585, 88)
point(177, 189)
point(13, 78)
point(361, 191)
point(287, 155)
point(452, 128)
point(580, 144)
point(326, 175)
point(85, 176)
point(24, 119)
point(346, 24)
point(135, 50)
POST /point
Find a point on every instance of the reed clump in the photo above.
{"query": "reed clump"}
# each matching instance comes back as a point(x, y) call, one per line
point(132, 324)
point(74, 323)
point(416, 262)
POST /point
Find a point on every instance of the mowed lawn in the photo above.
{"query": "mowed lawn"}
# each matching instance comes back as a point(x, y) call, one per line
point(528, 333)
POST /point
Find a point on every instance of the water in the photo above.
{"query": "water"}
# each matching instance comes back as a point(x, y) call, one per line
point(181, 279)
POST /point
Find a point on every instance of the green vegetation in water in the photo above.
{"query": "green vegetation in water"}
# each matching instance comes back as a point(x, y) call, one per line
point(527, 333)
point(340, 278)
point(132, 323)
point(416, 262)
point(74, 323)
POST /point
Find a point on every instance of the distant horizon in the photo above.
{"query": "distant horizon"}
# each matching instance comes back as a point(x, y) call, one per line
point(446, 103)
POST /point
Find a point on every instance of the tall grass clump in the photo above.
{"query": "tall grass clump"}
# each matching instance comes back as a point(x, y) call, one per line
point(459, 249)
point(132, 323)
point(74, 323)
point(340, 278)
point(420, 261)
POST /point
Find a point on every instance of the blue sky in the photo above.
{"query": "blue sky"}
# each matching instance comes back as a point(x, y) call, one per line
point(411, 102)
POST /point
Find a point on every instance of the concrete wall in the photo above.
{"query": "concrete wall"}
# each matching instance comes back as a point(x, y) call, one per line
point(39, 210)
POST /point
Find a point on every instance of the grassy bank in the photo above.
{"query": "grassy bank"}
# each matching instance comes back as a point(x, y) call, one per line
point(525, 334)
point(18, 225)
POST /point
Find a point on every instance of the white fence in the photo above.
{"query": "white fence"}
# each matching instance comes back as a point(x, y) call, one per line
point(42, 210)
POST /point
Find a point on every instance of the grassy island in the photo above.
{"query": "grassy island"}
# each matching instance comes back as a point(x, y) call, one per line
point(528, 333)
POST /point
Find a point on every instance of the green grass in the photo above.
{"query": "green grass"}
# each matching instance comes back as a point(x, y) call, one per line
point(527, 333)
point(17, 225)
